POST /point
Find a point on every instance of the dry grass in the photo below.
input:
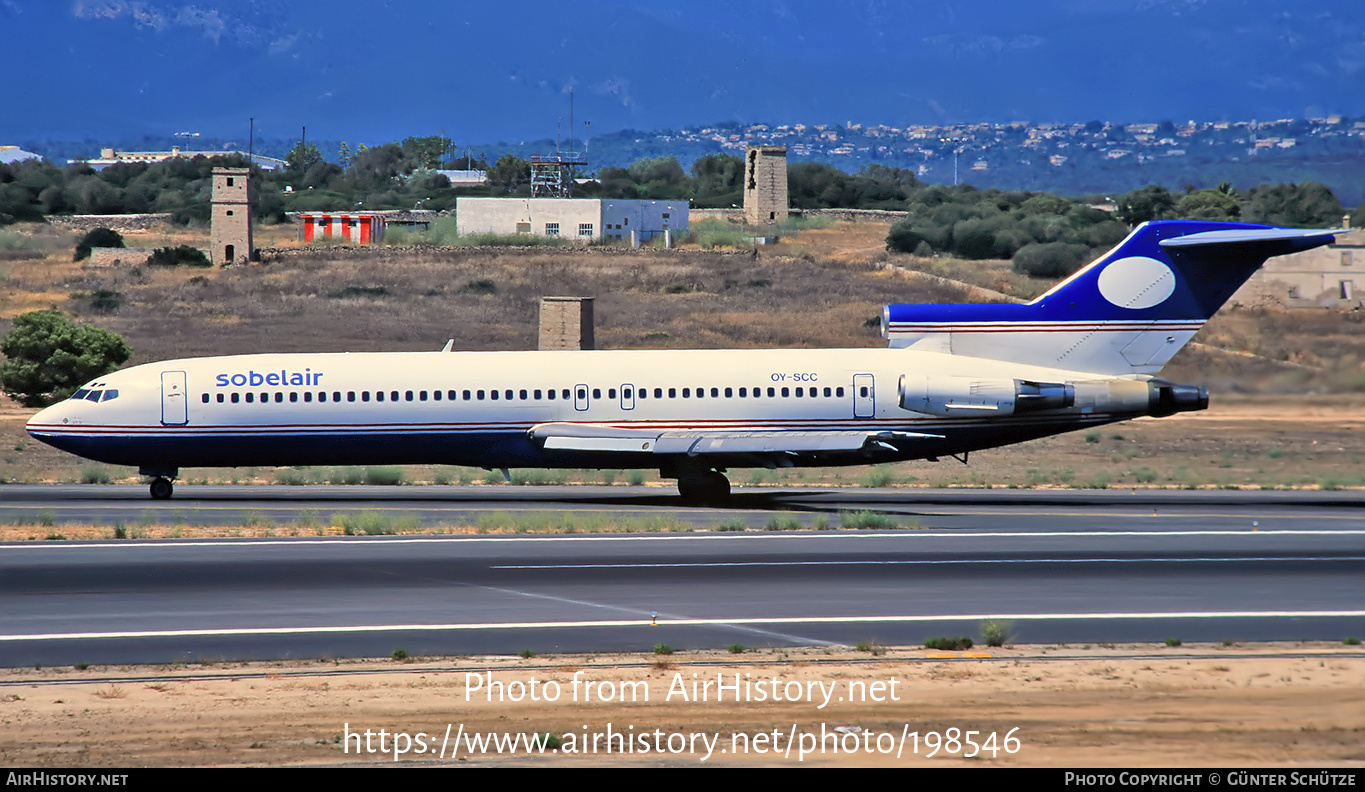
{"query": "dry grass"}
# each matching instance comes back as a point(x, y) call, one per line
point(326, 301)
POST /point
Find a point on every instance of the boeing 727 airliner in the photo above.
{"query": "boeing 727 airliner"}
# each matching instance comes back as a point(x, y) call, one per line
point(956, 379)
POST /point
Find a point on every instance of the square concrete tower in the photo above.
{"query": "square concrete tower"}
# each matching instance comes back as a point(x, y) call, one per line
point(765, 184)
point(566, 323)
point(230, 222)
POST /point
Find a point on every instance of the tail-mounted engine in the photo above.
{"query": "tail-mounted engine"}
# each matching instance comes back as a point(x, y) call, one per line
point(967, 397)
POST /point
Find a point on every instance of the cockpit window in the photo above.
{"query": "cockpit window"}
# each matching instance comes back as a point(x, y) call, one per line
point(94, 395)
point(80, 394)
point(110, 395)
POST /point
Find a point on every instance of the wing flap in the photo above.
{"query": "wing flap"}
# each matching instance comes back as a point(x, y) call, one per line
point(696, 442)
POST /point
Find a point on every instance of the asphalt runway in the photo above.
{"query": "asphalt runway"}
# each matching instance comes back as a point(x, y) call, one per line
point(1069, 566)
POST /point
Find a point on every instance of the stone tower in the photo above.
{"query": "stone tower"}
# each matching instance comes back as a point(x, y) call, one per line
point(566, 323)
point(765, 184)
point(230, 225)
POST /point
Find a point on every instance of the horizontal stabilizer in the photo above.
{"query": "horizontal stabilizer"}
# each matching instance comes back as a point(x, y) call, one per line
point(698, 442)
point(1236, 236)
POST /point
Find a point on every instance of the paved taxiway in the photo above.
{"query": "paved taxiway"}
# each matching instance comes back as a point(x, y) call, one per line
point(434, 505)
point(1060, 566)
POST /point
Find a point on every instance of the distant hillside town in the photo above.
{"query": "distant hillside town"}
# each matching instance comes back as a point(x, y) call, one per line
point(1069, 159)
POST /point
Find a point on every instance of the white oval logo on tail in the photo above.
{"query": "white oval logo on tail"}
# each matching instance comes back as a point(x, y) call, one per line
point(1136, 282)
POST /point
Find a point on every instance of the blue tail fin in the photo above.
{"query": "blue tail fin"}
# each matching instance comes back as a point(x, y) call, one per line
point(1127, 312)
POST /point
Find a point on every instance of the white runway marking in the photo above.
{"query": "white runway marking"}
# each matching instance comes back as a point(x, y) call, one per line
point(369, 543)
point(777, 620)
point(925, 562)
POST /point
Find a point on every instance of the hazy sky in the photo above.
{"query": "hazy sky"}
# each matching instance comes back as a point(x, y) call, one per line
point(489, 71)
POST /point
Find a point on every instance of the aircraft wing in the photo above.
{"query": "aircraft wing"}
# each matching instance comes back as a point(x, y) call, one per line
point(697, 442)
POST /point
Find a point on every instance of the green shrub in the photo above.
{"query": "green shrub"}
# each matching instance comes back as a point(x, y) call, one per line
point(400, 654)
point(174, 257)
point(95, 474)
point(526, 654)
point(289, 477)
point(99, 237)
point(105, 301)
point(782, 522)
point(995, 633)
point(1351, 640)
point(732, 524)
point(713, 233)
point(877, 478)
point(866, 520)
point(482, 286)
point(1050, 259)
point(663, 649)
point(351, 292)
point(384, 475)
point(954, 644)
point(736, 648)
point(1172, 641)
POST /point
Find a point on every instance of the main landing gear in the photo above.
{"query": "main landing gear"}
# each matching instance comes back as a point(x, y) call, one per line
point(161, 487)
point(704, 487)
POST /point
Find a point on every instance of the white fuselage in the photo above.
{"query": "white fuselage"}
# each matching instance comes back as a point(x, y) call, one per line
point(478, 407)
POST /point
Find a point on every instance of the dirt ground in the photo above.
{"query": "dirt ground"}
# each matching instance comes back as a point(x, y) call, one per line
point(1130, 706)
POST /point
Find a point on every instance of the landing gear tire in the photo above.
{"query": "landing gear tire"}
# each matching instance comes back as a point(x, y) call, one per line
point(708, 489)
point(161, 488)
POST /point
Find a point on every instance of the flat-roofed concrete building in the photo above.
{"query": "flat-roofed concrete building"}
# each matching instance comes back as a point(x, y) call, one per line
point(110, 156)
point(1330, 276)
point(586, 219)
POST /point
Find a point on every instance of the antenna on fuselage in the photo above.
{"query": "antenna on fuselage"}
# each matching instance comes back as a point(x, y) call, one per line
point(449, 345)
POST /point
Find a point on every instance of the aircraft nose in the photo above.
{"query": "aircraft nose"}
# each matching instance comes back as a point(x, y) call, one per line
point(47, 417)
